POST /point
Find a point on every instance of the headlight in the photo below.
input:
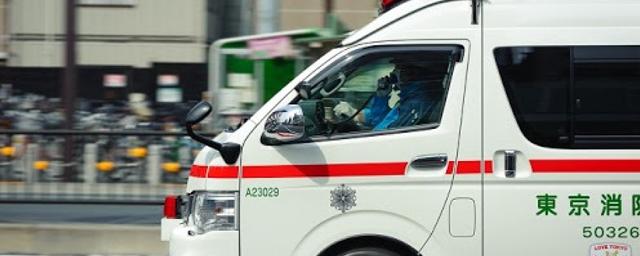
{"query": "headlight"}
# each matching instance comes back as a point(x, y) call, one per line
point(214, 211)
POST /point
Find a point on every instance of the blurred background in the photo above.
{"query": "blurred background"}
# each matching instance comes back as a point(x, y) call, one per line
point(92, 99)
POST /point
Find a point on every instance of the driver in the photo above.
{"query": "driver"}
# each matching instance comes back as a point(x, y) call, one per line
point(414, 101)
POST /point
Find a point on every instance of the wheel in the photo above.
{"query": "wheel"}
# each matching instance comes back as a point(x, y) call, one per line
point(369, 251)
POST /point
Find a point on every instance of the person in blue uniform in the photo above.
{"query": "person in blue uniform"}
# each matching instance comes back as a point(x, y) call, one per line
point(415, 100)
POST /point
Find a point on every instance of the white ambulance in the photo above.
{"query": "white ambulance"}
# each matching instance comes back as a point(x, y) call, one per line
point(501, 127)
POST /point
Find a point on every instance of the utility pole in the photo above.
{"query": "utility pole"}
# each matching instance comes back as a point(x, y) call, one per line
point(6, 29)
point(328, 9)
point(69, 87)
point(266, 16)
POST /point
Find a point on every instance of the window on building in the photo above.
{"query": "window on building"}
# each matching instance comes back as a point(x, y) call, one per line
point(574, 97)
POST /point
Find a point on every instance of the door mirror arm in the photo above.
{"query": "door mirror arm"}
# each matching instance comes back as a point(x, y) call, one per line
point(229, 151)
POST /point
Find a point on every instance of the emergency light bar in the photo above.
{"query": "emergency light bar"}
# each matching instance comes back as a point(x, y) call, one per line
point(386, 5)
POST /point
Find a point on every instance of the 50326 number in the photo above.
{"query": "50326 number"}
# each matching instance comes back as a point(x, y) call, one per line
point(262, 192)
point(610, 232)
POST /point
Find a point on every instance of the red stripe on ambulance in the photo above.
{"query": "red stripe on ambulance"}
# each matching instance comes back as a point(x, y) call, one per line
point(397, 169)
point(585, 166)
point(200, 171)
point(324, 170)
point(469, 167)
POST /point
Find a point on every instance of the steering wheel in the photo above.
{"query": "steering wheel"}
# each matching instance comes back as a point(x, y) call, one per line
point(348, 123)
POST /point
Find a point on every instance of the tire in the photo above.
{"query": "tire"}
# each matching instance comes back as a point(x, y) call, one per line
point(369, 251)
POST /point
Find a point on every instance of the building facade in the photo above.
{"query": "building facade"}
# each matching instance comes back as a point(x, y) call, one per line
point(126, 46)
point(4, 37)
point(109, 32)
point(295, 14)
point(140, 32)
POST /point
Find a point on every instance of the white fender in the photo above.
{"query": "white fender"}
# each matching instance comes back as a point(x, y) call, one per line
point(363, 223)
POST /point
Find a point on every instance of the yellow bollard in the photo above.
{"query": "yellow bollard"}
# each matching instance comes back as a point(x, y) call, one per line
point(41, 165)
point(137, 152)
point(171, 167)
point(105, 166)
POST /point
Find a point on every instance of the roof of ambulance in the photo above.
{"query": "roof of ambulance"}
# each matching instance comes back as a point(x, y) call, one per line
point(522, 13)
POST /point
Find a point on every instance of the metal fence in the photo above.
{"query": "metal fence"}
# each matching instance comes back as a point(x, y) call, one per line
point(106, 166)
point(78, 193)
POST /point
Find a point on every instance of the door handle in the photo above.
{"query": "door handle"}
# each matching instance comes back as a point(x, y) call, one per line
point(429, 161)
point(510, 163)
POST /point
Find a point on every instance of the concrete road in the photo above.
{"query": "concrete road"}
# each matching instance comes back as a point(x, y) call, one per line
point(81, 239)
point(80, 229)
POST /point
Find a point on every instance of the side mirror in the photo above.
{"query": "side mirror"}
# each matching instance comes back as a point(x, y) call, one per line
point(284, 125)
point(229, 151)
point(198, 113)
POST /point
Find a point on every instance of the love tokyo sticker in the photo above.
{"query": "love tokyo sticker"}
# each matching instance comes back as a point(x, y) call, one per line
point(610, 249)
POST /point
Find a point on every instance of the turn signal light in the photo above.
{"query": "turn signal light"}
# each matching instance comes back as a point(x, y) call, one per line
point(172, 207)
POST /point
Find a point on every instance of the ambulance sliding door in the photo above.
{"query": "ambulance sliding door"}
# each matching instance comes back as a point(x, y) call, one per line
point(561, 132)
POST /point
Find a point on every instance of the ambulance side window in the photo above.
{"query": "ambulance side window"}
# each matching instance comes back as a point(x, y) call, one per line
point(379, 90)
point(574, 96)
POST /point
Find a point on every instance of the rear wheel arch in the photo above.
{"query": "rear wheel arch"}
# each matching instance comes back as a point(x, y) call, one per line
point(369, 242)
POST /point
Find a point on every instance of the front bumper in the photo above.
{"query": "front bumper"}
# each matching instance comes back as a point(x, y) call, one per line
point(214, 243)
